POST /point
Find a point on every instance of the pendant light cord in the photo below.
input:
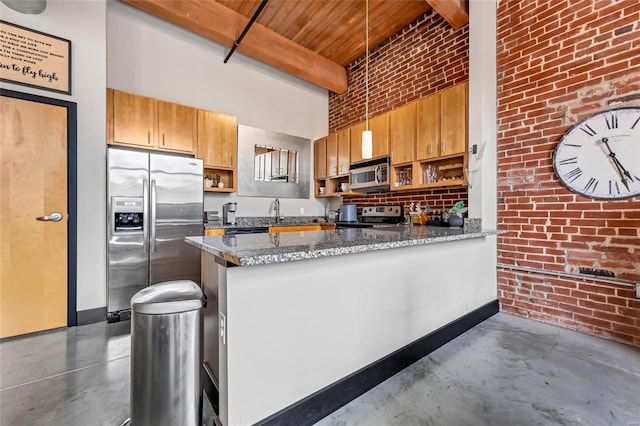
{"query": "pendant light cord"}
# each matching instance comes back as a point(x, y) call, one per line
point(366, 66)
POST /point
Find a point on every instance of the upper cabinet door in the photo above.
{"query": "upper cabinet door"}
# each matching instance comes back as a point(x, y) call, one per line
point(453, 120)
point(131, 119)
point(176, 127)
point(402, 134)
point(343, 151)
point(428, 128)
point(217, 139)
point(320, 158)
point(332, 155)
point(355, 137)
point(379, 127)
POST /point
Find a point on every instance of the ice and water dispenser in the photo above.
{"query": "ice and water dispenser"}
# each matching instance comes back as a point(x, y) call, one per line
point(127, 214)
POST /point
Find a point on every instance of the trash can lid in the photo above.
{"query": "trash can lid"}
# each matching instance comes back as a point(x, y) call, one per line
point(170, 297)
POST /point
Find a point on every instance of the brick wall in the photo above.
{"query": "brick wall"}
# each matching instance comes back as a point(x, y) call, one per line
point(436, 199)
point(423, 58)
point(560, 61)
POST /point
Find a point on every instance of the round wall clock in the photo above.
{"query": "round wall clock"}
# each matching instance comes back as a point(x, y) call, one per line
point(599, 157)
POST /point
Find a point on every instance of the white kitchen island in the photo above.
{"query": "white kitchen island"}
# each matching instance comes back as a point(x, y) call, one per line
point(313, 319)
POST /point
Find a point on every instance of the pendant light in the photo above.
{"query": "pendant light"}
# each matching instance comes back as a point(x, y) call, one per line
point(367, 137)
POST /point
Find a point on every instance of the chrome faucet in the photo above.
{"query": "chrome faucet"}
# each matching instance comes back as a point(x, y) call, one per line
point(276, 207)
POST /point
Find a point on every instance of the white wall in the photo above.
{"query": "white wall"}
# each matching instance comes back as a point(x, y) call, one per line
point(84, 23)
point(482, 110)
point(151, 57)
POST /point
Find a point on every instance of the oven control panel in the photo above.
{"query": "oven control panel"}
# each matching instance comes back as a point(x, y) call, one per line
point(392, 213)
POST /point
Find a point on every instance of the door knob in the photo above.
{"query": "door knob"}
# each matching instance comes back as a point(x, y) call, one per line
point(53, 217)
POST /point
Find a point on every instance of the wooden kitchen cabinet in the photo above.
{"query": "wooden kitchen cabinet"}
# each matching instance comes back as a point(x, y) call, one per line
point(320, 158)
point(176, 127)
point(441, 138)
point(344, 138)
point(217, 139)
point(402, 122)
point(338, 153)
point(428, 127)
point(453, 120)
point(217, 147)
point(379, 127)
point(332, 155)
point(140, 121)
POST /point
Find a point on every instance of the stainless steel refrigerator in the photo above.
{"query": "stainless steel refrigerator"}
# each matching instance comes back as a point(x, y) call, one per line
point(153, 202)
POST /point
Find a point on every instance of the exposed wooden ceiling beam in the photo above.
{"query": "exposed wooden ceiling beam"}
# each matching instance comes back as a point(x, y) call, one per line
point(216, 22)
point(455, 12)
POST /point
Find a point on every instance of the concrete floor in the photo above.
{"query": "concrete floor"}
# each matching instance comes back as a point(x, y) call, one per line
point(506, 371)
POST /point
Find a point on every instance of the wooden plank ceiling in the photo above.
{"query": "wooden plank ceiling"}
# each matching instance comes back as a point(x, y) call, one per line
point(312, 39)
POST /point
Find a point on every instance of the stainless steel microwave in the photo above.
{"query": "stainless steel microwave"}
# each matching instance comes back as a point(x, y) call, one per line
point(370, 176)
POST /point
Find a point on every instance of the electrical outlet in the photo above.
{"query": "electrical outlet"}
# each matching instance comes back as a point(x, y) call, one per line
point(474, 149)
point(301, 210)
point(222, 321)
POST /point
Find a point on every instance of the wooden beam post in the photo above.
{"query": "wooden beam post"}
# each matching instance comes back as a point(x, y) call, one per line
point(455, 12)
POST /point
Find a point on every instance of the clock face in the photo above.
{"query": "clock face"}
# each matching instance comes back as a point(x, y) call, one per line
point(600, 156)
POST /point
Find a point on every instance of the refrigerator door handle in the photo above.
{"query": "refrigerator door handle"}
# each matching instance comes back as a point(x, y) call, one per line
point(145, 216)
point(152, 204)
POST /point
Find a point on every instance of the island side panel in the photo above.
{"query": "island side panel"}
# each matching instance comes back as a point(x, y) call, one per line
point(296, 327)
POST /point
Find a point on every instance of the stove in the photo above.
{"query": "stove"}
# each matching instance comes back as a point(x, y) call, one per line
point(383, 214)
point(376, 216)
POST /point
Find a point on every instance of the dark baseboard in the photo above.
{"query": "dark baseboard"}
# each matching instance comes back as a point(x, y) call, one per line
point(211, 388)
point(91, 315)
point(322, 403)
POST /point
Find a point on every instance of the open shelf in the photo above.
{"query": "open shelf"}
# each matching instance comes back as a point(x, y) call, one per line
point(226, 176)
point(332, 187)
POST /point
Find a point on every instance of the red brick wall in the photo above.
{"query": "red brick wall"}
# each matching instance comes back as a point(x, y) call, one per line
point(423, 58)
point(436, 199)
point(560, 61)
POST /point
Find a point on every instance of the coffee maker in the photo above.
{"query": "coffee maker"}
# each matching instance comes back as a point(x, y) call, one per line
point(229, 213)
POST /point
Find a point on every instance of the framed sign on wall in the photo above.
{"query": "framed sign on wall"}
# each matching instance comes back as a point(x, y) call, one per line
point(35, 59)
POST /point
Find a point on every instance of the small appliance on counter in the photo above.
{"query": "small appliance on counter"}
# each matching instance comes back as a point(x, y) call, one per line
point(211, 216)
point(348, 213)
point(229, 213)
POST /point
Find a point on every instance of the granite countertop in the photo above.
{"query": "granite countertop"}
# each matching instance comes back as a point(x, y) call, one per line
point(269, 221)
point(262, 249)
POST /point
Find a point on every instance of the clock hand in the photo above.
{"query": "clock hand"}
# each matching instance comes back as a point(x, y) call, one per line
point(619, 164)
point(619, 168)
point(624, 174)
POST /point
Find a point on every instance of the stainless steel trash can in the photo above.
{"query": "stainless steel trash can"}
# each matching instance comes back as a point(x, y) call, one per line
point(166, 355)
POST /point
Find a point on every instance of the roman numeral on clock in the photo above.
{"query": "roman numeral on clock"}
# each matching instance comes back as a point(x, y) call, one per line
point(612, 122)
point(572, 160)
point(588, 130)
point(591, 185)
point(636, 122)
point(613, 185)
point(573, 174)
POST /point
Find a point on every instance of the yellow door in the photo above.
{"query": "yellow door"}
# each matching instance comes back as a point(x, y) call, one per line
point(33, 184)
